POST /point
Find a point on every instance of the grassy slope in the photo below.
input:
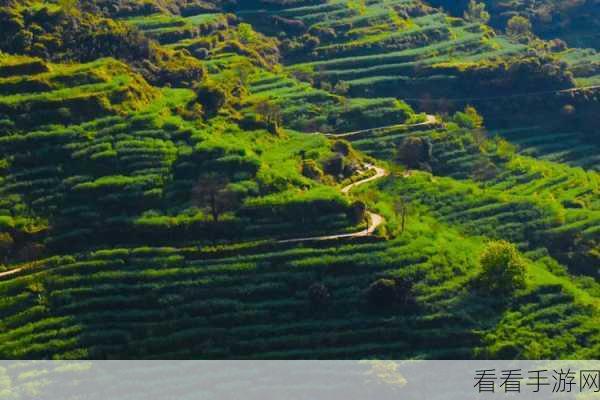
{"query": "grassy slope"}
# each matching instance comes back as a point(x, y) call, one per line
point(110, 194)
point(252, 302)
point(141, 157)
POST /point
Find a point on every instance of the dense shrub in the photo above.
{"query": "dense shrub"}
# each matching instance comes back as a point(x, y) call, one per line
point(212, 98)
point(518, 26)
point(469, 119)
point(503, 268)
point(415, 152)
point(311, 170)
point(388, 293)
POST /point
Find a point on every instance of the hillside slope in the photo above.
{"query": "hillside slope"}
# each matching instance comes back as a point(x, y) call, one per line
point(577, 22)
point(174, 183)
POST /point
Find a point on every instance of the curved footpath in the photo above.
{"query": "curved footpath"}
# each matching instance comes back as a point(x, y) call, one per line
point(376, 219)
point(430, 120)
point(11, 272)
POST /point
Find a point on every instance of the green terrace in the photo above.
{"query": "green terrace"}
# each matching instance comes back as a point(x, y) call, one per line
point(134, 175)
point(225, 47)
point(208, 36)
point(571, 147)
point(139, 219)
point(127, 171)
point(170, 29)
point(519, 209)
point(252, 301)
point(303, 107)
point(485, 187)
point(585, 64)
point(33, 92)
point(308, 109)
point(388, 48)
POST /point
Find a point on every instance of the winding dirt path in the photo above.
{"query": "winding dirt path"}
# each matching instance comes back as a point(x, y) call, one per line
point(379, 173)
point(430, 120)
point(11, 272)
point(375, 219)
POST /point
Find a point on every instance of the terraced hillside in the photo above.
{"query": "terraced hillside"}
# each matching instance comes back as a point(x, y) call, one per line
point(255, 302)
point(216, 37)
point(576, 22)
point(101, 158)
point(565, 146)
point(585, 64)
point(436, 63)
point(401, 47)
point(293, 179)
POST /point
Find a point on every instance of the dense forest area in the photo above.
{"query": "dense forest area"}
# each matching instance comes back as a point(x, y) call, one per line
point(576, 21)
point(299, 179)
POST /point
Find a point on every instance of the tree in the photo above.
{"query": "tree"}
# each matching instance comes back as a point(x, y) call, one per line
point(30, 252)
point(68, 6)
point(476, 13)
point(212, 97)
point(415, 152)
point(484, 169)
point(335, 165)
point(518, 27)
point(385, 293)
point(246, 33)
point(401, 210)
point(359, 5)
point(358, 212)
point(503, 268)
point(474, 116)
point(479, 137)
point(568, 110)
point(6, 244)
point(341, 88)
point(212, 192)
point(469, 119)
point(270, 113)
point(243, 71)
point(309, 42)
point(382, 292)
point(311, 170)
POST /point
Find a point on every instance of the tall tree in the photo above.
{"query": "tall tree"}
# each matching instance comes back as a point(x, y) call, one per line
point(401, 211)
point(476, 12)
point(518, 27)
point(212, 192)
point(415, 152)
point(270, 113)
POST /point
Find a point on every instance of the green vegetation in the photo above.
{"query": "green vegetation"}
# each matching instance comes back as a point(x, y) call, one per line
point(503, 270)
point(576, 22)
point(297, 179)
point(377, 55)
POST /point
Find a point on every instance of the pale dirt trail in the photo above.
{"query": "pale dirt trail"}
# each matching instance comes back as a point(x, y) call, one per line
point(376, 219)
point(379, 173)
point(430, 120)
point(10, 273)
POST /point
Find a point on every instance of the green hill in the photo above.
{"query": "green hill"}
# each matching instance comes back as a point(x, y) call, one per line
point(294, 179)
